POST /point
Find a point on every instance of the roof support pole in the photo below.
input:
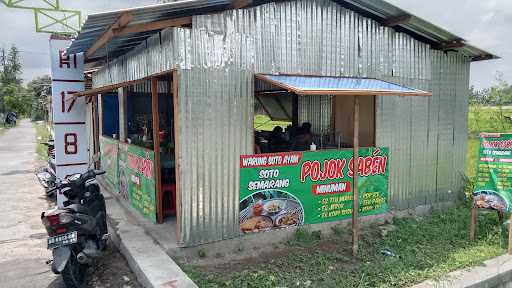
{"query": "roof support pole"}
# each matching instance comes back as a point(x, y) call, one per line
point(355, 174)
point(156, 148)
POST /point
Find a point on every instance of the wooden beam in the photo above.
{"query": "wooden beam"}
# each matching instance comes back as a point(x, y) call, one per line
point(355, 194)
point(482, 57)
point(395, 21)
point(510, 235)
point(156, 148)
point(238, 4)
point(473, 223)
point(137, 28)
point(109, 88)
point(458, 43)
point(121, 22)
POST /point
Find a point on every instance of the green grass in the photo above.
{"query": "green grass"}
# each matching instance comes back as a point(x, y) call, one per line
point(425, 248)
point(42, 135)
point(472, 156)
point(484, 119)
point(264, 123)
point(488, 119)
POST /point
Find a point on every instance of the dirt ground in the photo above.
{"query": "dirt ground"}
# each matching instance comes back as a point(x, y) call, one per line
point(112, 271)
point(332, 244)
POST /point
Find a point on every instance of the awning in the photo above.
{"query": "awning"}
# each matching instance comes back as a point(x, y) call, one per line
point(348, 86)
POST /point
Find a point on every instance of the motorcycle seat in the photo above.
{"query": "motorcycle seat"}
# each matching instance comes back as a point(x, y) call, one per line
point(77, 208)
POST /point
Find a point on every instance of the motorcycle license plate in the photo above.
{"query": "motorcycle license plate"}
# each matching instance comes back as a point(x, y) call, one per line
point(62, 240)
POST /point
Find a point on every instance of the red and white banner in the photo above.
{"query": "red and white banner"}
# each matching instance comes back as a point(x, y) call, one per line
point(69, 115)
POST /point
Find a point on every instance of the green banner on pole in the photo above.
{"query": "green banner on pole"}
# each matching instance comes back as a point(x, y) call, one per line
point(493, 189)
point(295, 188)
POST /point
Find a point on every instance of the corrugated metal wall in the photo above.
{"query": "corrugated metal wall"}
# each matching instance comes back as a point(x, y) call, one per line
point(218, 57)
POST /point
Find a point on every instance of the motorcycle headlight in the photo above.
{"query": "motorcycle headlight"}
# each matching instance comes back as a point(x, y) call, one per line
point(65, 218)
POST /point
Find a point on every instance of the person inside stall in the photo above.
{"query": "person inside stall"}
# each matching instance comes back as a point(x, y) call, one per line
point(277, 141)
point(303, 139)
point(257, 148)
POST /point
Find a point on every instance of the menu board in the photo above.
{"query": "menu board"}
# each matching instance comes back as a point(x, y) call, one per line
point(493, 189)
point(137, 178)
point(294, 188)
point(109, 162)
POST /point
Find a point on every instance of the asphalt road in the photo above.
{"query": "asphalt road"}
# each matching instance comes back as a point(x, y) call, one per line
point(23, 252)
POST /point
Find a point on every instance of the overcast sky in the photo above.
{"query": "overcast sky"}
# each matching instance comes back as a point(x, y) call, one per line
point(485, 24)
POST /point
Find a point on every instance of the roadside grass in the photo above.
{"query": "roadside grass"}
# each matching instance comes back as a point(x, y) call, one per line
point(424, 248)
point(42, 135)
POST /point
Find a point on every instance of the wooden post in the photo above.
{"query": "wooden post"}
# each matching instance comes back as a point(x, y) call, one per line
point(355, 200)
point(95, 128)
point(177, 151)
point(156, 149)
point(472, 228)
point(510, 235)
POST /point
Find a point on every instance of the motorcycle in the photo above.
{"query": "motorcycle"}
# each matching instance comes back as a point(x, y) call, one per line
point(46, 175)
point(10, 119)
point(77, 232)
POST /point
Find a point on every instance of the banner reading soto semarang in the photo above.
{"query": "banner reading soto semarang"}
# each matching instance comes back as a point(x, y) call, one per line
point(294, 188)
point(493, 189)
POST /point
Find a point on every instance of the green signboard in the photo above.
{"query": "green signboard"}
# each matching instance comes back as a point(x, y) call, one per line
point(109, 159)
point(137, 178)
point(493, 188)
point(295, 188)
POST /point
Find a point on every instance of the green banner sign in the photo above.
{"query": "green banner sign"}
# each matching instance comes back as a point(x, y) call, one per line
point(109, 162)
point(493, 188)
point(137, 178)
point(295, 188)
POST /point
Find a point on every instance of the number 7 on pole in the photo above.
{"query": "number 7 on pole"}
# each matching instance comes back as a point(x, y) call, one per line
point(63, 101)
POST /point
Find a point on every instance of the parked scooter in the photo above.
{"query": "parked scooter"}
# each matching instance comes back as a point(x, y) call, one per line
point(78, 232)
point(46, 175)
point(10, 119)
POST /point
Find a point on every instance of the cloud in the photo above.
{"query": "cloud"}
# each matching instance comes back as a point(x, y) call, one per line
point(18, 28)
point(486, 24)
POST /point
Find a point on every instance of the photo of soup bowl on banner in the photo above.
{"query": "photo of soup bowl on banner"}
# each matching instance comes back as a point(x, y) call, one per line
point(270, 209)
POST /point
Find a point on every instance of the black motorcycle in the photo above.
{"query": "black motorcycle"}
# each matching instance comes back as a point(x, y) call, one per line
point(10, 119)
point(46, 175)
point(78, 232)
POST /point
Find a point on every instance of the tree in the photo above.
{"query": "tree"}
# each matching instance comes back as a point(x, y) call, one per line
point(11, 66)
point(40, 89)
point(11, 92)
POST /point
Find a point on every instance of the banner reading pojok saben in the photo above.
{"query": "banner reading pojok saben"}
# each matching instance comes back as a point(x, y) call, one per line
point(493, 189)
point(295, 188)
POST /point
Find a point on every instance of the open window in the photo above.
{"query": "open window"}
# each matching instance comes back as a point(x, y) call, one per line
point(289, 106)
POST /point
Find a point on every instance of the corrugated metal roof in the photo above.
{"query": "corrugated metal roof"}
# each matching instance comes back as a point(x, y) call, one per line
point(97, 24)
point(429, 32)
point(322, 85)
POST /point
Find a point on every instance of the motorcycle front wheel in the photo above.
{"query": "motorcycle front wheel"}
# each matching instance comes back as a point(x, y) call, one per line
point(74, 273)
